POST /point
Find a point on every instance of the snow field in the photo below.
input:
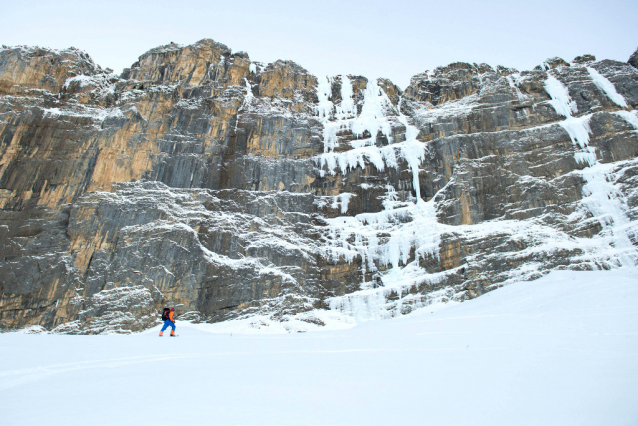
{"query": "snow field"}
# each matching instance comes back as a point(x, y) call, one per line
point(561, 350)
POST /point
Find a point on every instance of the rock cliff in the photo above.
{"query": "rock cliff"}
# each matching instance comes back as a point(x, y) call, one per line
point(234, 189)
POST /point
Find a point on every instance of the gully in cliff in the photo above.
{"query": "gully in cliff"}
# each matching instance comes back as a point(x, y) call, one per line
point(169, 321)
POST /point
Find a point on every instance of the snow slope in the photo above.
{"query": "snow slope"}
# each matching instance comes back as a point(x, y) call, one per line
point(561, 350)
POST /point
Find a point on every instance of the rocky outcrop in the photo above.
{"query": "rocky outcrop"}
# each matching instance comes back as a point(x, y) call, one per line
point(205, 62)
point(32, 69)
point(236, 190)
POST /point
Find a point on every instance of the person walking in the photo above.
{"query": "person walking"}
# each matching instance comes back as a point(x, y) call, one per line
point(169, 321)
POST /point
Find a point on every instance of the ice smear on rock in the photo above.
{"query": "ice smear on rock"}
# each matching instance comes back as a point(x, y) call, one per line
point(397, 237)
point(606, 86)
point(347, 108)
point(377, 117)
point(324, 107)
point(630, 117)
point(561, 101)
point(342, 200)
point(372, 120)
point(601, 198)
point(512, 80)
point(392, 242)
point(578, 129)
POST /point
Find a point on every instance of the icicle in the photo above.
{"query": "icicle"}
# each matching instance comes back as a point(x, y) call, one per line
point(347, 108)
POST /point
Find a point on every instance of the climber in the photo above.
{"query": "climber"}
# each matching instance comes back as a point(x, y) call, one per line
point(168, 316)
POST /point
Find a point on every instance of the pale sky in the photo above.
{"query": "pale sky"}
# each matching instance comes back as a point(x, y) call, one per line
point(393, 39)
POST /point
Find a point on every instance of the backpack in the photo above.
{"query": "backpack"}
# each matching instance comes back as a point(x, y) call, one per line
point(165, 314)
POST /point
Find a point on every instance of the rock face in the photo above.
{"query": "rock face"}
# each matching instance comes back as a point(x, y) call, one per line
point(201, 179)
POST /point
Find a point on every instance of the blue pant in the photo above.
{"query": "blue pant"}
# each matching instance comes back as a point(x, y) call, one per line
point(168, 323)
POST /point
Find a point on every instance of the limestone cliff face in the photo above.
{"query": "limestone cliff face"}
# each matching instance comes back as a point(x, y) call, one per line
point(238, 190)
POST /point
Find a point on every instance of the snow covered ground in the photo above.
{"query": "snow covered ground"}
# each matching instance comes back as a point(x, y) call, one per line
point(562, 350)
